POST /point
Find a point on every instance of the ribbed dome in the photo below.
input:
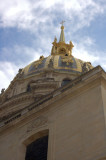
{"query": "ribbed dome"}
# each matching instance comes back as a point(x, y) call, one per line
point(57, 63)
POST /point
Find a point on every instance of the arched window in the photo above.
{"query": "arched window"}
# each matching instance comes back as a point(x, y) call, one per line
point(37, 150)
point(37, 146)
point(65, 81)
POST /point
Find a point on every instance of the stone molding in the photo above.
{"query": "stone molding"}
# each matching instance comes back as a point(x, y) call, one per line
point(16, 99)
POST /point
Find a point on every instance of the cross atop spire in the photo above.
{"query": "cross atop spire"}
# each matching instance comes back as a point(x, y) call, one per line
point(62, 22)
point(62, 37)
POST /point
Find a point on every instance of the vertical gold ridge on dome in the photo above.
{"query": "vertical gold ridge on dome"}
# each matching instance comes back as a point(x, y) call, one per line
point(26, 69)
point(56, 60)
point(47, 61)
point(79, 68)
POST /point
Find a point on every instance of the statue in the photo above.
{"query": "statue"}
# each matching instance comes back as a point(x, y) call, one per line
point(2, 91)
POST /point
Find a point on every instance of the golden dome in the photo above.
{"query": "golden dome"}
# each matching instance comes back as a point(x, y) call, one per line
point(60, 60)
point(57, 63)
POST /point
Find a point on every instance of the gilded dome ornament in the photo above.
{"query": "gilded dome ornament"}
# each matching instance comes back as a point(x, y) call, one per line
point(55, 39)
point(37, 63)
point(67, 59)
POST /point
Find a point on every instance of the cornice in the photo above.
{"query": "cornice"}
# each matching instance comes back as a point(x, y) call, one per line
point(16, 99)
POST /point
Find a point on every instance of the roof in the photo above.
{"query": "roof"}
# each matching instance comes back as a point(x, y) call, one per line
point(58, 63)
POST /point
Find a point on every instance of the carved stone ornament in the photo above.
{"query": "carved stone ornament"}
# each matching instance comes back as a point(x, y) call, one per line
point(86, 66)
point(37, 123)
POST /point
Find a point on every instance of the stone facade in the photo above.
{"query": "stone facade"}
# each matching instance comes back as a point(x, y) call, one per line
point(73, 116)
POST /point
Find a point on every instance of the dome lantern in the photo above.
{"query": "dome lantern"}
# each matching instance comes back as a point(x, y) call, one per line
point(61, 48)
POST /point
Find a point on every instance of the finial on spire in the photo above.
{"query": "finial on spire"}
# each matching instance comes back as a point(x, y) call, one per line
point(62, 37)
point(62, 22)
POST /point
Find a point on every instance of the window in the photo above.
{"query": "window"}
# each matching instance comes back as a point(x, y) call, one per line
point(37, 150)
point(28, 88)
point(65, 81)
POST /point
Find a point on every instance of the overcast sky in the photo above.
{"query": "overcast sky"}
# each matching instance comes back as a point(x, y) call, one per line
point(28, 28)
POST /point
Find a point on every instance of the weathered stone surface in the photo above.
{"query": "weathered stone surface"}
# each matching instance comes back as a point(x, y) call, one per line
point(74, 118)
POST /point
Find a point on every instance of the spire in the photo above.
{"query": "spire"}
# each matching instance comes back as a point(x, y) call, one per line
point(62, 37)
point(61, 48)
